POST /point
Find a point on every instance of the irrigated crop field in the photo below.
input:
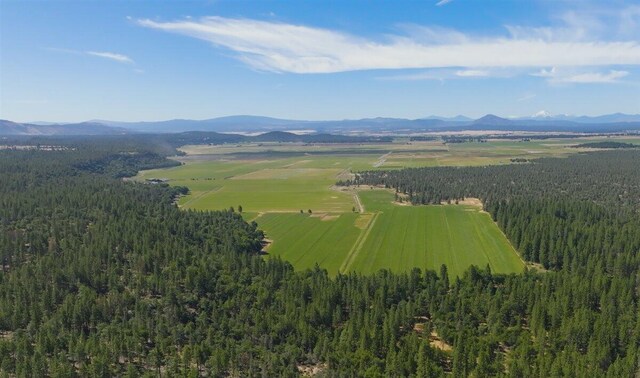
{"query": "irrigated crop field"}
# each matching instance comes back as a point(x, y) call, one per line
point(391, 236)
point(429, 236)
point(258, 186)
point(274, 181)
point(306, 240)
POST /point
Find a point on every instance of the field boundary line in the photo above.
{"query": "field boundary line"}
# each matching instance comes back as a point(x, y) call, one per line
point(381, 160)
point(258, 215)
point(357, 246)
point(356, 198)
point(513, 247)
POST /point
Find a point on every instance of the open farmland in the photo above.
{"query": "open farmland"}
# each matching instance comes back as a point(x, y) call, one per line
point(390, 236)
point(429, 236)
point(273, 182)
point(401, 154)
point(306, 240)
point(257, 186)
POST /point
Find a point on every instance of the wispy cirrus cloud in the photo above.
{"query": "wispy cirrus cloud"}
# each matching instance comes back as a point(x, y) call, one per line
point(472, 73)
point(116, 57)
point(438, 75)
point(283, 47)
point(120, 58)
point(442, 74)
point(555, 76)
point(612, 76)
point(443, 2)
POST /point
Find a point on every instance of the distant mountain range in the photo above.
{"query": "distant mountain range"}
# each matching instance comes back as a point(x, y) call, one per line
point(607, 118)
point(540, 122)
point(82, 128)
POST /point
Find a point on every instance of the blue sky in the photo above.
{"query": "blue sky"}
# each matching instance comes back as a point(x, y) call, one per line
point(135, 60)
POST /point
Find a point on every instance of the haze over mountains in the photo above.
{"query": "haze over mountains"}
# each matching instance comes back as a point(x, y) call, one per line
point(41, 128)
point(540, 122)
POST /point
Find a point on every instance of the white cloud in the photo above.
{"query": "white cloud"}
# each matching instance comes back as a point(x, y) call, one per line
point(472, 73)
point(442, 74)
point(545, 73)
point(430, 35)
point(443, 2)
point(112, 56)
point(120, 58)
point(554, 76)
point(426, 75)
point(281, 47)
point(594, 77)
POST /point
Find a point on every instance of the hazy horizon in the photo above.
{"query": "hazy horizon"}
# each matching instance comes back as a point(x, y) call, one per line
point(314, 120)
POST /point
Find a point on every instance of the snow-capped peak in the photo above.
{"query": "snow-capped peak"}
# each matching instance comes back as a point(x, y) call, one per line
point(542, 114)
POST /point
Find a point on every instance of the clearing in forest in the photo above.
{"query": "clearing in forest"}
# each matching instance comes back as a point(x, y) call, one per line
point(274, 182)
point(429, 236)
point(392, 237)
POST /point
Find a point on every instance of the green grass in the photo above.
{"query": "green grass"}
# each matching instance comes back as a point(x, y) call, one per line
point(429, 236)
point(392, 237)
point(258, 186)
point(307, 240)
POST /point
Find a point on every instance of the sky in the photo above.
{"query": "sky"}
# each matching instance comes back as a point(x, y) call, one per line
point(71, 61)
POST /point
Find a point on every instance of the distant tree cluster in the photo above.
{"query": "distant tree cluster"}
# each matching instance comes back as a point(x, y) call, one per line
point(419, 138)
point(456, 139)
point(606, 145)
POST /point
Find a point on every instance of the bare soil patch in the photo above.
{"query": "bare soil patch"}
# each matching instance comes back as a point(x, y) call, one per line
point(438, 343)
point(345, 175)
point(6, 335)
point(266, 243)
point(363, 221)
point(475, 202)
point(311, 370)
point(536, 266)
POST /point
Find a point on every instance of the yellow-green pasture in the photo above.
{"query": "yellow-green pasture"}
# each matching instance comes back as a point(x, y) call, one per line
point(290, 184)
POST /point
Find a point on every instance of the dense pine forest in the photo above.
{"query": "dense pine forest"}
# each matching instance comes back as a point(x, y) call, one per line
point(103, 277)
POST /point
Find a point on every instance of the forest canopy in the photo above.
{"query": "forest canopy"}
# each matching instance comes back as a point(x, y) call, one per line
point(102, 277)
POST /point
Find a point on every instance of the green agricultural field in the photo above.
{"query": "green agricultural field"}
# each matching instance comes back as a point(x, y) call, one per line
point(390, 236)
point(258, 186)
point(273, 182)
point(306, 240)
point(429, 236)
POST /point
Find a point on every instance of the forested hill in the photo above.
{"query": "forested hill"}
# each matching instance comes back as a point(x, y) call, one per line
point(101, 277)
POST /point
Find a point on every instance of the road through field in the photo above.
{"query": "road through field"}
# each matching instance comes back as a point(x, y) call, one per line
point(353, 252)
